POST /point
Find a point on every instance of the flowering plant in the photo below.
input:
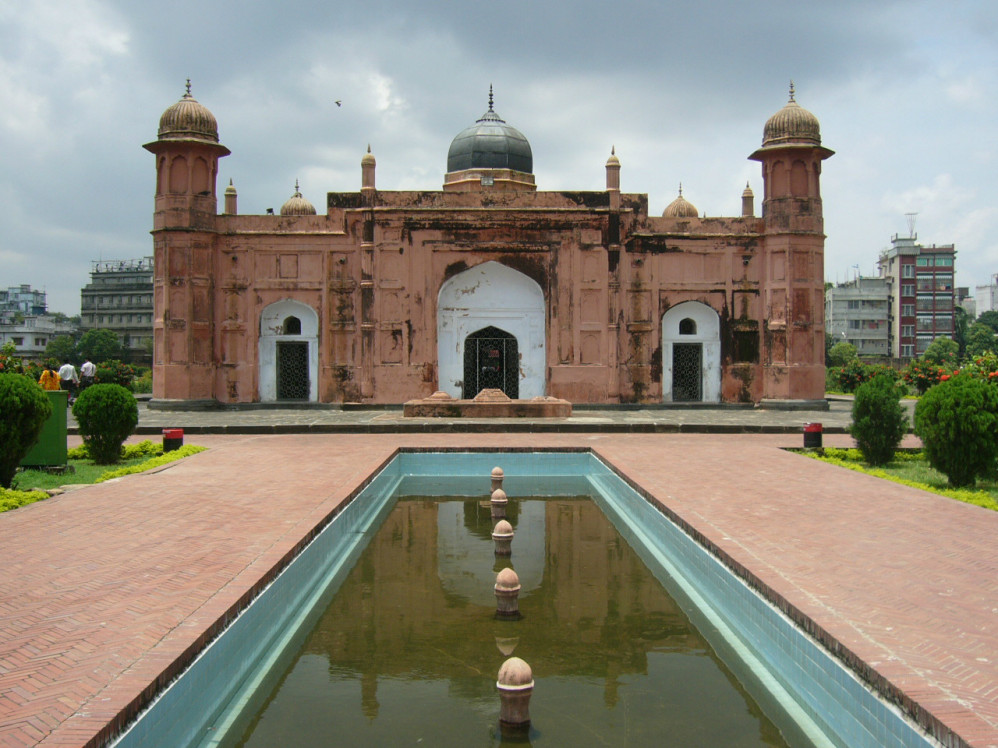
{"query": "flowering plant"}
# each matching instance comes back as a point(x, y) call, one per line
point(921, 374)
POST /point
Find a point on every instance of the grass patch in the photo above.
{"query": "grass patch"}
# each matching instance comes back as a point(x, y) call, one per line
point(912, 469)
point(32, 484)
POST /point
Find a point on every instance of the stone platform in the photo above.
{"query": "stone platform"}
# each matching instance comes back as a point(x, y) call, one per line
point(489, 403)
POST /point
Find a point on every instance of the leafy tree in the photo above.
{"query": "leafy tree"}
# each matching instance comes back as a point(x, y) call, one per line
point(62, 349)
point(980, 340)
point(990, 319)
point(961, 323)
point(942, 351)
point(107, 414)
point(879, 423)
point(25, 408)
point(957, 421)
point(100, 345)
point(841, 354)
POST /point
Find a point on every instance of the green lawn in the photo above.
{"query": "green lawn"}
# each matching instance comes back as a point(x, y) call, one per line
point(83, 471)
point(912, 469)
point(30, 485)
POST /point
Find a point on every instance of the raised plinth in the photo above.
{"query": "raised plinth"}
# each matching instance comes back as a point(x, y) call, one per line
point(487, 404)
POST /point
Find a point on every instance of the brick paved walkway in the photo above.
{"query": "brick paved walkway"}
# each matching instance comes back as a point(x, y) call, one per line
point(106, 587)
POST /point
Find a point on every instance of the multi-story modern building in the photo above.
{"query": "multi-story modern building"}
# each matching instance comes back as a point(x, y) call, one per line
point(856, 312)
point(119, 298)
point(921, 294)
point(987, 296)
point(17, 302)
point(32, 333)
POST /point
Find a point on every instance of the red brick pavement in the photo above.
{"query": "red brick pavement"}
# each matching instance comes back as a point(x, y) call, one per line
point(106, 587)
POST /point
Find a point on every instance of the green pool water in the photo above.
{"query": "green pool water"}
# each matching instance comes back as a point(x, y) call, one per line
point(408, 648)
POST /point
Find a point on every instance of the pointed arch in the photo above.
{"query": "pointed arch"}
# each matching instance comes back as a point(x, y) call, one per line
point(491, 294)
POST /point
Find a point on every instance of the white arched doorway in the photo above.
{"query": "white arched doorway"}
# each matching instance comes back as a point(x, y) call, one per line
point(289, 352)
point(691, 354)
point(493, 296)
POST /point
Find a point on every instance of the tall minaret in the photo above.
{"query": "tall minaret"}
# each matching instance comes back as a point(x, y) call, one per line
point(187, 153)
point(793, 284)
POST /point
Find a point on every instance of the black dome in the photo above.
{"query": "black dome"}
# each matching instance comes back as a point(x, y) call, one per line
point(490, 144)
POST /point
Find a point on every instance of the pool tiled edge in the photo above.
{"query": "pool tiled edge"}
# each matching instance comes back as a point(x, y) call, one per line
point(764, 626)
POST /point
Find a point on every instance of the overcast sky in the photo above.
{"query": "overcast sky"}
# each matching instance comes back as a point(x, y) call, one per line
point(906, 93)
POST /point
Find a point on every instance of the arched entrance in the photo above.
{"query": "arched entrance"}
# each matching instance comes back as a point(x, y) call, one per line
point(491, 360)
point(494, 296)
point(289, 352)
point(691, 354)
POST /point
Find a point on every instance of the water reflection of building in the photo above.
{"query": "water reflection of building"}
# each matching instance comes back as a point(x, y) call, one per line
point(597, 611)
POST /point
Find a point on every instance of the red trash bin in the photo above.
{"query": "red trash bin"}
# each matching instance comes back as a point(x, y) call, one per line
point(172, 439)
point(812, 435)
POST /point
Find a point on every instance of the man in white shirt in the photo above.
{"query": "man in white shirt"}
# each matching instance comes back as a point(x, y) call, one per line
point(68, 380)
point(87, 373)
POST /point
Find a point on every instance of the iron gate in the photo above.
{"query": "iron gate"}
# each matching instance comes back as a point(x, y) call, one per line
point(292, 371)
point(687, 376)
point(491, 361)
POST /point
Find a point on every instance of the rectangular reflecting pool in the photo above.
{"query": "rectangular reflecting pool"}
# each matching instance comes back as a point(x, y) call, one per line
point(409, 648)
point(383, 630)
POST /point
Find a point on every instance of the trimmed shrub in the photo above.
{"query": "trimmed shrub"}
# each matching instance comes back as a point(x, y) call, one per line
point(879, 423)
point(107, 415)
point(957, 421)
point(25, 408)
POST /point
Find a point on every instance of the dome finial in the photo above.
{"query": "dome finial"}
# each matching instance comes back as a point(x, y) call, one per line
point(613, 150)
point(368, 147)
point(297, 190)
point(680, 189)
point(791, 89)
point(187, 95)
point(490, 97)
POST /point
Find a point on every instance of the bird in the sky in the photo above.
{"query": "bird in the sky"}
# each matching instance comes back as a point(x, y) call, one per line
point(339, 102)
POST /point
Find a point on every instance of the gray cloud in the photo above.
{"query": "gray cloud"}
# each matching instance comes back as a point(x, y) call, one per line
point(905, 97)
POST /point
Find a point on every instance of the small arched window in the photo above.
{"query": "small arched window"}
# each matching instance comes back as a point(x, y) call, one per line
point(292, 326)
point(687, 327)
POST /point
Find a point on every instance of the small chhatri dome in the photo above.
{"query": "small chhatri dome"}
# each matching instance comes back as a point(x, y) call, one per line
point(297, 205)
point(680, 207)
point(792, 124)
point(368, 159)
point(188, 119)
point(490, 144)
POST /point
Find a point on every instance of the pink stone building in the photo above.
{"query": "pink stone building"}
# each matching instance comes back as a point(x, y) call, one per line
point(386, 296)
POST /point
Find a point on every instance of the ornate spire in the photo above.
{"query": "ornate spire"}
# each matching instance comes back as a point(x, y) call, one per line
point(187, 95)
point(490, 98)
point(791, 89)
point(297, 191)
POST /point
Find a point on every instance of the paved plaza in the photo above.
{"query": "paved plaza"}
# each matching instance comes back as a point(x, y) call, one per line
point(108, 590)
